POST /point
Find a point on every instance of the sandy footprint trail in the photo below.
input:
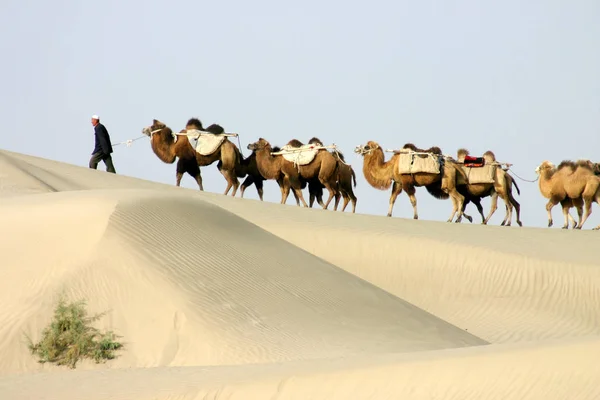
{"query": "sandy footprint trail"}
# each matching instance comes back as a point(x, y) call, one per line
point(229, 298)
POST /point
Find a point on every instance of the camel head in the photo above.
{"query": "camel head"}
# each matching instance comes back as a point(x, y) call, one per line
point(156, 127)
point(544, 166)
point(259, 145)
point(366, 148)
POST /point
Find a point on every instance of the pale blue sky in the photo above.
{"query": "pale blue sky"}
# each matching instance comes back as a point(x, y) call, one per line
point(521, 78)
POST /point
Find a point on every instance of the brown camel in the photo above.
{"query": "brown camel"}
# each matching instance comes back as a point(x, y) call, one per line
point(501, 187)
point(169, 146)
point(277, 168)
point(563, 185)
point(381, 174)
point(248, 168)
point(345, 178)
point(322, 168)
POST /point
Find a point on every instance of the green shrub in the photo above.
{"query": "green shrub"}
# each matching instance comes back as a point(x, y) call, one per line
point(70, 337)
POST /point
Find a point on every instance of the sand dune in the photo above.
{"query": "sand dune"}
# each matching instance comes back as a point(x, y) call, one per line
point(220, 297)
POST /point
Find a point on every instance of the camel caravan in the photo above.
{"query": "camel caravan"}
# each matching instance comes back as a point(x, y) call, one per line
point(296, 166)
point(293, 166)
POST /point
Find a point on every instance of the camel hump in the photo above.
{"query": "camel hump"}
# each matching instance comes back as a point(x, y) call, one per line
point(566, 164)
point(195, 123)
point(433, 149)
point(295, 143)
point(585, 164)
point(340, 155)
point(215, 129)
point(276, 149)
point(315, 140)
point(410, 146)
point(462, 153)
point(489, 156)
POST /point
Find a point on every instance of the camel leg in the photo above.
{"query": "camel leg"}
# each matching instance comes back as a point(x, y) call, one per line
point(578, 204)
point(180, 169)
point(454, 210)
point(464, 206)
point(517, 207)
point(587, 211)
point(493, 207)
point(194, 170)
point(354, 200)
point(320, 198)
point(567, 215)
point(479, 208)
point(458, 200)
point(551, 203)
point(246, 184)
point(410, 191)
point(229, 181)
point(396, 190)
point(235, 181)
point(332, 193)
point(259, 188)
point(346, 201)
point(338, 196)
point(296, 186)
point(590, 195)
point(508, 211)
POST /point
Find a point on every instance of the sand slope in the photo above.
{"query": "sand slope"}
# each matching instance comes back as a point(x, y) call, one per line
point(553, 371)
point(230, 298)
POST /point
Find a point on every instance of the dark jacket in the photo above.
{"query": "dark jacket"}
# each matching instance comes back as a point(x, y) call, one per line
point(102, 140)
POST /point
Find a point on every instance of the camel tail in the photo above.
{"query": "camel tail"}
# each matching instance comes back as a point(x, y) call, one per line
point(514, 182)
point(353, 176)
point(435, 189)
point(240, 163)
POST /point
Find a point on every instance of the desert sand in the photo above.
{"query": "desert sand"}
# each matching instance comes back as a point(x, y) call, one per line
point(228, 298)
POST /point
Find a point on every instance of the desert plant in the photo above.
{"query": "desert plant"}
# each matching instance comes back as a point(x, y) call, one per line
point(70, 337)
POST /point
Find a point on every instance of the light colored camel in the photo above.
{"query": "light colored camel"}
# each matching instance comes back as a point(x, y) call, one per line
point(501, 187)
point(168, 149)
point(382, 174)
point(570, 184)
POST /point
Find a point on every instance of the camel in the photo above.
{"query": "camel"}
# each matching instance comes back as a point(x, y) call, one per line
point(249, 169)
point(345, 178)
point(382, 174)
point(277, 168)
point(570, 184)
point(169, 146)
point(501, 187)
point(323, 167)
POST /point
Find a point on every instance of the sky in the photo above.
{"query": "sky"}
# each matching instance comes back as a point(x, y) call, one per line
point(520, 78)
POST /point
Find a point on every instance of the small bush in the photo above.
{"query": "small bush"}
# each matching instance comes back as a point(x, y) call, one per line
point(70, 337)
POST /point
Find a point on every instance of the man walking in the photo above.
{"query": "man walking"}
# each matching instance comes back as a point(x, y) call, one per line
point(102, 148)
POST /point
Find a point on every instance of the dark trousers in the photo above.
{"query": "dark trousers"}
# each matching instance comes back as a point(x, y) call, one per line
point(97, 157)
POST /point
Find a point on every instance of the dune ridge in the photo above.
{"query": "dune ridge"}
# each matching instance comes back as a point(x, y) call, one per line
point(221, 297)
point(543, 370)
